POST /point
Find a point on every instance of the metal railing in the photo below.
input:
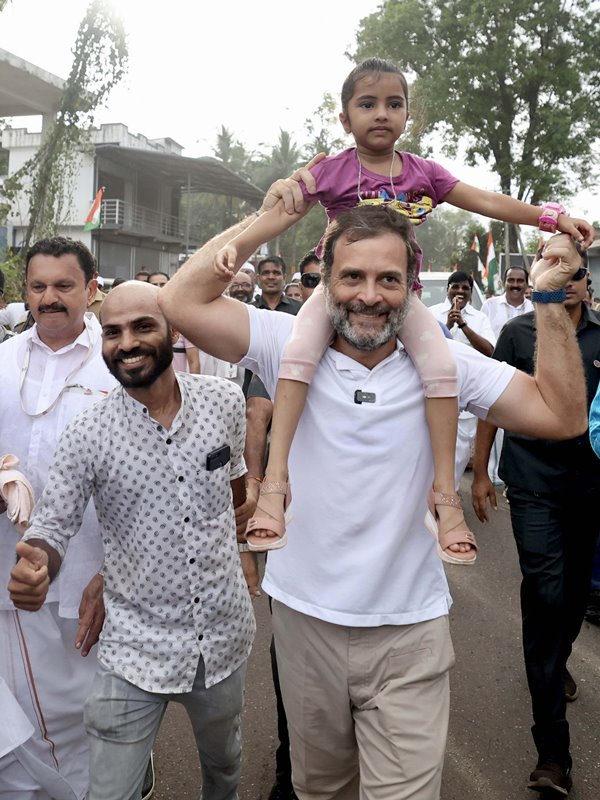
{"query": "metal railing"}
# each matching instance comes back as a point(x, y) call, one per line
point(145, 221)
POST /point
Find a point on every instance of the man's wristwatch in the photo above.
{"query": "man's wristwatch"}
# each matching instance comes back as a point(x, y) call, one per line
point(548, 219)
point(557, 296)
point(243, 547)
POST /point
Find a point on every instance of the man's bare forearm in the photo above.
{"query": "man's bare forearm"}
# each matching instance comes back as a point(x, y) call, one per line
point(559, 372)
point(195, 280)
point(484, 440)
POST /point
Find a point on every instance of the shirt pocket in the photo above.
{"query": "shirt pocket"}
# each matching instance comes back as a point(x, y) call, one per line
point(214, 491)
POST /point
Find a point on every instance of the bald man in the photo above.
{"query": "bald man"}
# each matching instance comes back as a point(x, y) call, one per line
point(163, 458)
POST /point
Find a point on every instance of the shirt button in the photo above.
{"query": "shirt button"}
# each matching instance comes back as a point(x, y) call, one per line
point(201, 637)
point(196, 599)
point(186, 519)
point(181, 479)
point(169, 441)
point(192, 560)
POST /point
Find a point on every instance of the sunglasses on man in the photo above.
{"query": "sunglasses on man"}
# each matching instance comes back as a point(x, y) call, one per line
point(310, 280)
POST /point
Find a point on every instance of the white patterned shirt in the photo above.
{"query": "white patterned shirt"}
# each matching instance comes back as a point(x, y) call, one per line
point(173, 587)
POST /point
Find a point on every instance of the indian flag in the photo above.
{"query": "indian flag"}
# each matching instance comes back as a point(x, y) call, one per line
point(92, 221)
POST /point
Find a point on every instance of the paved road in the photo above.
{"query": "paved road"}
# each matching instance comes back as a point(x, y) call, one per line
point(490, 752)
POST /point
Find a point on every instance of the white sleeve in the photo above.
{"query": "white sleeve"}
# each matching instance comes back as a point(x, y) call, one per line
point(481, 380)
point(269, 331)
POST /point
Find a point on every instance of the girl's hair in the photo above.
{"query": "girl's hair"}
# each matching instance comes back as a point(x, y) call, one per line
point(375, 65)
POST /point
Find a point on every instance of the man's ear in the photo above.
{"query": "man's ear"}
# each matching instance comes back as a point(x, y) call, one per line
point(174, 334)
point(91, 289)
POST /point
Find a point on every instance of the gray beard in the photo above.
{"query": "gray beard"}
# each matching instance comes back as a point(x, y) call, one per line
point(362, 340)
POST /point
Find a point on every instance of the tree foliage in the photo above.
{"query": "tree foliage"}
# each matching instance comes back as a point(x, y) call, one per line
point(99, 62)
point(516, 83)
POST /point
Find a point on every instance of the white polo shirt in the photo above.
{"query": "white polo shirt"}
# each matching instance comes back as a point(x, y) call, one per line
point(358, 551)
point(500, 311)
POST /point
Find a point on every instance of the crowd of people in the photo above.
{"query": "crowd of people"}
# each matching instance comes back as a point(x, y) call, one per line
point(139, 420)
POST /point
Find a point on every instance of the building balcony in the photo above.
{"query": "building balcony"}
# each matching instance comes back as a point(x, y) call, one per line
point(134, 220)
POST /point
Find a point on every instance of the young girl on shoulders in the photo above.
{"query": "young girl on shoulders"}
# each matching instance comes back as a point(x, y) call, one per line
point(375, 111)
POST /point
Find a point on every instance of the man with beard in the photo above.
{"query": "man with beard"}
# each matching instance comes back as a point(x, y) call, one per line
point(242, 287)
point(161, 457)
point(360, 597)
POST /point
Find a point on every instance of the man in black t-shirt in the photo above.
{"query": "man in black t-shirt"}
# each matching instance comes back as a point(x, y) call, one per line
point(553, 489)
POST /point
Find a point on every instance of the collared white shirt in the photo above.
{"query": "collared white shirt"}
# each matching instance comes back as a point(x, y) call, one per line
point(33, 439)
point(476, 320)
point(500, 311)
point(173, 585)
point(358, 552)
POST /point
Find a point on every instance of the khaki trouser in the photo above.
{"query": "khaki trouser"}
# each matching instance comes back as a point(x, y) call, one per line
point(367, 708)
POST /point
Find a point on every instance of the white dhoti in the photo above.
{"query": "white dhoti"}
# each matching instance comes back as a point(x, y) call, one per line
point(44, 682)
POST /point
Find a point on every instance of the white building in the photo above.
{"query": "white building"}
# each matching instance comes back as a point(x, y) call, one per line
point(143, 179)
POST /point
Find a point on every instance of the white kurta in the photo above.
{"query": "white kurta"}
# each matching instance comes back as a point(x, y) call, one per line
point(43, 678)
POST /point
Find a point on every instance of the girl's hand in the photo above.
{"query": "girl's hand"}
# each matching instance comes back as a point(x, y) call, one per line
point(559, 263)
point(579, 229)
point(225, 262)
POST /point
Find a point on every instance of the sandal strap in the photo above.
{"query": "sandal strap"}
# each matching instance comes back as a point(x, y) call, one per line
point(273, 487)
point(441, 499)
point(459, 535)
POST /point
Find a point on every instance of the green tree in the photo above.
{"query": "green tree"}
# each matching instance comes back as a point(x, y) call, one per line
point(516, 83)
point(324, 129)
point(99, 62)
point(211, 213)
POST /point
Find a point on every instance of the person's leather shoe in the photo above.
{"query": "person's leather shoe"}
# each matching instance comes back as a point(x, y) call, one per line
point(551, 778)
point(571, 688)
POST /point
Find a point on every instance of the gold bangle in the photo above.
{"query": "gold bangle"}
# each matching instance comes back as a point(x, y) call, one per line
point(252, 478)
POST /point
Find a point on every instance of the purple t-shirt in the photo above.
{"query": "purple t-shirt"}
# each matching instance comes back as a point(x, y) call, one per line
point(418, 189)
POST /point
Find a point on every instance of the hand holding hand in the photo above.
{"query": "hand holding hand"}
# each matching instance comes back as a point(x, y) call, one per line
point(579, 229)
point(288, 189)
point(559, 262)
point(29, 579)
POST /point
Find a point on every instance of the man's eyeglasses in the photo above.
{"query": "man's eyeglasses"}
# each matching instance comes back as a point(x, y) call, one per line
point(310, 280)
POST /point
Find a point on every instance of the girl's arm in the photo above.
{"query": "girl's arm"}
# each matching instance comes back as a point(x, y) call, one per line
point(265, 228)
point(508, 209)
